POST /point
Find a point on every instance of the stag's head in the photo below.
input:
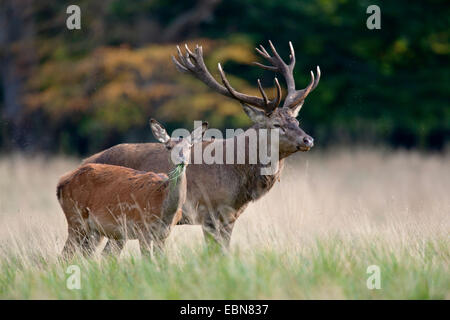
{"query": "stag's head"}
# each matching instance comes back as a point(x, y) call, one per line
point(264, 112)
point(180, 148)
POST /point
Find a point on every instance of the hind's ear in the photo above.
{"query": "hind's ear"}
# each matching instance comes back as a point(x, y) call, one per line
point(159, 132)
point(197, 134)
point(205, 126)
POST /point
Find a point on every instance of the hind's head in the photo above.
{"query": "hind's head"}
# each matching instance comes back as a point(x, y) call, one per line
point(180, 148)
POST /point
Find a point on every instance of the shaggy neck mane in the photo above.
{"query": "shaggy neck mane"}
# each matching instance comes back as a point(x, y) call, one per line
point(253, 184)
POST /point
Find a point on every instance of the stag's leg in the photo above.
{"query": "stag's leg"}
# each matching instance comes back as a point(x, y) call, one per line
point(145, 244)
point(159, 242)
point(217, 235)
point(144, 236)
point(155, 239)
point(114, 247)
point(217, 228)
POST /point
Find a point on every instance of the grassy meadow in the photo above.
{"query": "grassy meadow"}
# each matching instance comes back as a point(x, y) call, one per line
point(333, 215)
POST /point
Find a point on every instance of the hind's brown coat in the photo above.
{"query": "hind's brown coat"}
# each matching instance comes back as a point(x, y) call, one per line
point(116, 202)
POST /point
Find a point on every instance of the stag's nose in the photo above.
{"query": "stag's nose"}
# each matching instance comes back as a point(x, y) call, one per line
point(308, 141)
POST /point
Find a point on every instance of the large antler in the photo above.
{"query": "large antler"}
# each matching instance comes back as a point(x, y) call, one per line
point(294, 97)
point(192, 62)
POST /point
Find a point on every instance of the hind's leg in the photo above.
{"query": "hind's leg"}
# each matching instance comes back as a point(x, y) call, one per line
point(90, 243)
point(82, 241)
point(81, 237)
point(114, 246)
point(74, 242)
point(78, 229)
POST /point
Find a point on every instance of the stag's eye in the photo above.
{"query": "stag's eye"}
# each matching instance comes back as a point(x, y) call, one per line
point(278, 126)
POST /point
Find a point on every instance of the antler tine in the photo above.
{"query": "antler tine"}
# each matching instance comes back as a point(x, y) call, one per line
point(263, 93)
point(292, 56)
point(275, 53)
point(275, 103)
point(260, 52)
point(316, 82)
point(179, 66)
point(307, 90)
point(270, 68)
point(191, 54)
point(278, 99)
point(298, 96)
point(226, 82)
point(264, 51)
point(185, 62)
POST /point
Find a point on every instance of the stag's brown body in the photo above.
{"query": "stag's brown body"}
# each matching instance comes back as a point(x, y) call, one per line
point(219, 193)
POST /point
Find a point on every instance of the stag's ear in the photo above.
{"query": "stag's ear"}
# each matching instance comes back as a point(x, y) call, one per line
point(197, 134)
point(257, 115)
point(159, 132)
point(295, 110)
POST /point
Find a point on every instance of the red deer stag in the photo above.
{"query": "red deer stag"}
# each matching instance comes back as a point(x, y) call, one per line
point(122, 203)
point(219, 193)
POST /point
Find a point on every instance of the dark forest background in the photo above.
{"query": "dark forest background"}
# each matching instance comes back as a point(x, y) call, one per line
point(79, 91)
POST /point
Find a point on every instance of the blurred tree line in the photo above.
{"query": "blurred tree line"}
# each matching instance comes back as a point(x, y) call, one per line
point(78, 91)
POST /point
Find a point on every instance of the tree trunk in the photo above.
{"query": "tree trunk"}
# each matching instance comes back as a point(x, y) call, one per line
point(191, 19)
point(17, 58)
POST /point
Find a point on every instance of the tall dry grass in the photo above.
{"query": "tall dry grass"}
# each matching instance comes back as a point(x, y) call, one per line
point(336, 203)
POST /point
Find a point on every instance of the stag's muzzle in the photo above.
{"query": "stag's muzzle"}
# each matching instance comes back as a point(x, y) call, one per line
point(306, 143)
